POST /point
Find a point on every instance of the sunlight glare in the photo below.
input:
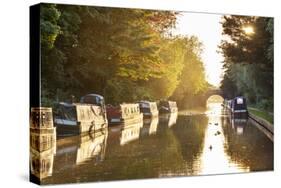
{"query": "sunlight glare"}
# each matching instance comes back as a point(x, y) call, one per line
point(214, 159)
point(248, 30)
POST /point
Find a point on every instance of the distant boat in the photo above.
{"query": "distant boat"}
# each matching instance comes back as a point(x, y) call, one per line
point(238, 107)
point(168, 107)
point(126, 113)
point(149, 109)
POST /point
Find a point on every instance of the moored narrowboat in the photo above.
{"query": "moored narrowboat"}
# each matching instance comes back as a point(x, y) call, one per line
point(238, 107)
point(78, 118)
point(94, 99)
point(168, 107)
point(149, 109)
point(126, 113)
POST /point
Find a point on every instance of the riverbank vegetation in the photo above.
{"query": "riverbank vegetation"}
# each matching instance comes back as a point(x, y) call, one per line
point(262, 114)
point(248, 59)
point(125, 55)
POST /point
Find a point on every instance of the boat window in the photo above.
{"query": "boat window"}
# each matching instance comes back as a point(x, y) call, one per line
point(239, 101)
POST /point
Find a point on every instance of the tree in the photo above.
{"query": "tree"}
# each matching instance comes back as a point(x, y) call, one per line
point(125, 55)
point(248, 58)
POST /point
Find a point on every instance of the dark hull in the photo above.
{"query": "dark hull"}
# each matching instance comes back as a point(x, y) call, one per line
point(81, 128)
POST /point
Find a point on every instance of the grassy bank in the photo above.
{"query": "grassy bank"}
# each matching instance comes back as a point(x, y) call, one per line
point(262, 114)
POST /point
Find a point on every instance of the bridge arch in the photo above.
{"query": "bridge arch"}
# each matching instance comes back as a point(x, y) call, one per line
point(213, 95)
point(214, 99)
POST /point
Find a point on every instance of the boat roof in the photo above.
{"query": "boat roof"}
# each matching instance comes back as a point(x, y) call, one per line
point(241, 97)
point(94, 95)
point(144, 101)
point(66, 104)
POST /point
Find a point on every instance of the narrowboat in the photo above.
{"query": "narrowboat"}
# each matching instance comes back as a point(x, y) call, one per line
point(149, 109)
point(168, 107)
point(126, 113)
point(239, 107)
point(94, 99)
point(78, 118)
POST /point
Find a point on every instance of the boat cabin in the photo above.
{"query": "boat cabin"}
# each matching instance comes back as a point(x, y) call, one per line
point(77, 118)
point(149, 109)
point(168, 107)
point(239, 106)
point(94, 99)
point(126, 113)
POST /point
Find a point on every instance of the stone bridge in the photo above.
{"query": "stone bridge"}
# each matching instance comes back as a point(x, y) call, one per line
point(212, 92)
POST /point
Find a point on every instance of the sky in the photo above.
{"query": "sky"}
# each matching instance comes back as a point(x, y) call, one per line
point(208, 29)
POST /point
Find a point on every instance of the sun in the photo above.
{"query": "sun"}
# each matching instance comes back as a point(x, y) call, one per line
point(248, 30)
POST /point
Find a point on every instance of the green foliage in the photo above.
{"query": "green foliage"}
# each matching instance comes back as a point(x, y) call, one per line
point(262, 114)
point(125, 55)
point(192, 83)
point(49, 16)
point(248, 59)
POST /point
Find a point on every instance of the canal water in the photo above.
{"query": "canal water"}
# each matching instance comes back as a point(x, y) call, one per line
point(180, 144)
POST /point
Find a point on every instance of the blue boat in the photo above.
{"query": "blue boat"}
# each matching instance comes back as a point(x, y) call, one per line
point(239, 107)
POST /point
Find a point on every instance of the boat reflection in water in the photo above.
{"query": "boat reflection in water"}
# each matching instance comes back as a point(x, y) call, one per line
point(92, 146)
point(169, 119)
point(42, 143)
point(73, 152)
point(238, 125)
point(172, 119)
point(41, 163)
point(130, 132)
point(124, 133)
point(196, 145)
point(149, 126)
